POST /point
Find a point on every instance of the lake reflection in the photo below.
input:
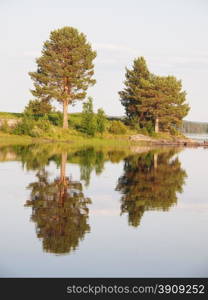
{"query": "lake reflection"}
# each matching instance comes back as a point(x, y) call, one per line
point(82, 204)
point(150, 182)
point(59, 209)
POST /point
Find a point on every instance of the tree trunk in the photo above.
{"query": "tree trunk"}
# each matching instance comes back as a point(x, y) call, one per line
point(157, 124)
point(62, 182)
point(63, 166)
point(155, 160)
point(65, 114)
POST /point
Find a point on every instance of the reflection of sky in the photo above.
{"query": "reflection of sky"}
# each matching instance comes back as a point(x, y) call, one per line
point(165, 244)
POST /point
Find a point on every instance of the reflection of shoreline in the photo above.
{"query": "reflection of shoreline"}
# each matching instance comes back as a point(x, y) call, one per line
point(60, 211)
point(45, 152)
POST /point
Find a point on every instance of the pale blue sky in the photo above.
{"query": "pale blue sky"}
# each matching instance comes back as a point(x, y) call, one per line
point(170, 34)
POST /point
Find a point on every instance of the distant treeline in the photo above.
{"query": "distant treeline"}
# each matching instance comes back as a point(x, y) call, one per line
point(194, 127)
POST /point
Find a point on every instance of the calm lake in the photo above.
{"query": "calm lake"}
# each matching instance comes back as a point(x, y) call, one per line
point(103, 213)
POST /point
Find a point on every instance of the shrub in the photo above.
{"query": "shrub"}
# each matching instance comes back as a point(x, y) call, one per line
point(32, 128)
point(149, 126)
point(117, 127)
point(56, 118)
point(45, 125)
point(25, 127)
point(5, 127)
point(101, 120)
point(88, 123)
point(133, 123)
point(173, 131)
point(144, 131)
point(36, 132)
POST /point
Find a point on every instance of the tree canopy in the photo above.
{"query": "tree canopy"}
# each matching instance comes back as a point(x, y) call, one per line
point(149, 98)
point(65, 68)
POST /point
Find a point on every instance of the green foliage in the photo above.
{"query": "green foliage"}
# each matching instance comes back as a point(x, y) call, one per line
point(25, 127)
point(65, 68)
point(149, 127)
point(133, 123)
point(56, 118)
point(44, 125)
point(37, 107)
point(32, 128)
point(173, 131)
point(144, 131)
point(88, 124)
point(131, 95)
point(89, 160)
point(117, 127)
point(152, 99)
point(8, 115)
point(5, 127)
point(101, 120)
point(75, 120)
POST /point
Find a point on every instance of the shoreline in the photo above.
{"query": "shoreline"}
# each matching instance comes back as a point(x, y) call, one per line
point(116, 140)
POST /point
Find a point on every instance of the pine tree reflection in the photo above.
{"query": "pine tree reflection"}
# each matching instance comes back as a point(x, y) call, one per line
point(59, 209)
point(150, 182)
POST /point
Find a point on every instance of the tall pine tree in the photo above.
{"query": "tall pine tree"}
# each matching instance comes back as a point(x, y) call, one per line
point(65, 68)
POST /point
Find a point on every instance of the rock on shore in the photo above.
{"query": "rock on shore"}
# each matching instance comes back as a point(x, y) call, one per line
point(172, 140)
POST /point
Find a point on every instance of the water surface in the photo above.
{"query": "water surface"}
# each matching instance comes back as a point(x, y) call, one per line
point(103, 213)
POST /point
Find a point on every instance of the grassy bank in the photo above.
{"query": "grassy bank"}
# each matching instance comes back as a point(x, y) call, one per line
point(43, 131)
point(68, 137)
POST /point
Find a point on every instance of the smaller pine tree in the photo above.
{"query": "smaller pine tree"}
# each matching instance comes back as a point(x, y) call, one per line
point(101, 120)
point(88, 123)
point(37, 107)
point(153, 101)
